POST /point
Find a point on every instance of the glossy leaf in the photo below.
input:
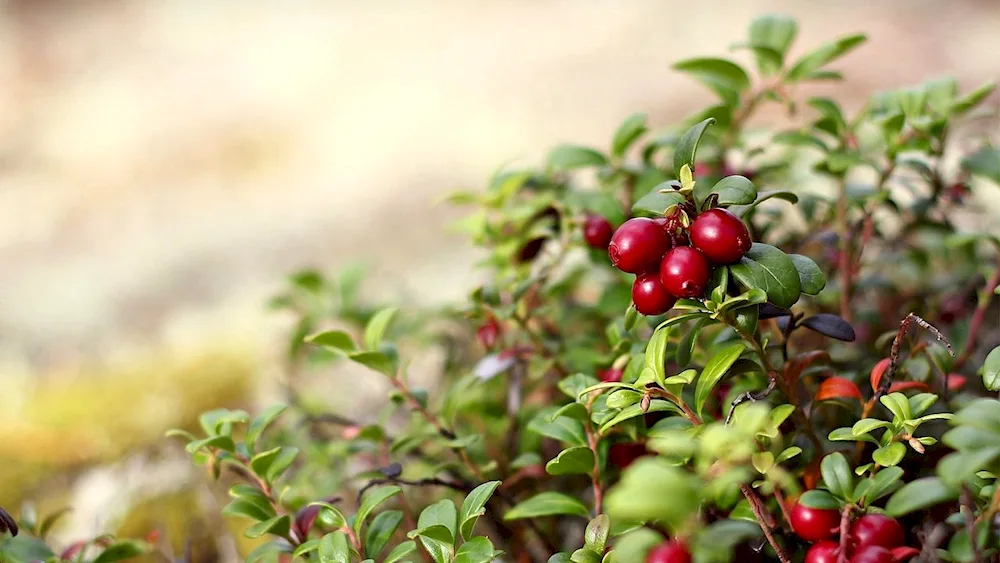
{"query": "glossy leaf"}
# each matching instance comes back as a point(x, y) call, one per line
point(732, 190)
point(380, 531)
point(687, 145)
point(890, 455)
point(838, 388)
point(400, 551)
point(991, 370)
point(441, 513)
point(657, 201)
point(474, 506)
point(578, 460)
point(548, 503)
point(837, 475)
point(919, 494)
point(334, 548)
point(811, 277)
point(830, 325)
point(768, 268)
point(715, 369)
point(476, 550)
point(372, 499)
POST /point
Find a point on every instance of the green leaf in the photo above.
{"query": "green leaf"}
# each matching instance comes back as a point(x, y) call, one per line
point(548, 503)
point(634, 546)
point(888, 456)
point(266, 552)
point(436, 540)
point(656, 202)
point(376, 361)
point(774, 32)
point(224, 443)
point(742, 210)
point(973, 98)
point(724, 77)
point(334, 548)
point(656, 353)
point(474, 506)
point(732, 190)
point(984, 162)
point(768, 268)
point(811, 278)
point(261, 422)
point(376, 327)
point(746, 318)
point(337, 341)
point(248, 508)
point(884, 482)
point(822, 56)
point(687, 145)
point(596, 535)
point(866, 425)
point(837, 475)
point(282, 461)
point(380, 531)
point(400, 551)
point(716, 367)
point(656, 405)
point(685, 348)
point(441, 513)
point(578, 460)
point(564, 429)
point(631, 129)
point(717, 541)
point(991, 370)
point(845, 434)
point(121, 550)
point(329, 514)
point(372, 499)
point(476, 550)
point(818, 498)
point(918, 495)
point(640, 494)
point(277, 526)
point(897, 404)
point(571, 157)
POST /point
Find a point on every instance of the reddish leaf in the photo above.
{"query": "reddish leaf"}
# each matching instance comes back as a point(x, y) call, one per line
point(73, 549)
point(878, 371)
point(903, 553)
point(838, 388)
point(905, 385)
point(304, 520)
point(798, 364)
point(812, 474)
point(956, 381)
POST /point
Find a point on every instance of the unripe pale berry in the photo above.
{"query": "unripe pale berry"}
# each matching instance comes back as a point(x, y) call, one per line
point(638, 245)
point(685, 272)
point(721, 236)
point(649, 295)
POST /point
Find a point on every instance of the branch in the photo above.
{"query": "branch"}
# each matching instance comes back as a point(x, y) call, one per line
point(886, 381)
point(764, 519)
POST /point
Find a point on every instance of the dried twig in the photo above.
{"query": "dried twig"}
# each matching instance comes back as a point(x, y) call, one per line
point(765, 520)
point(886, 381)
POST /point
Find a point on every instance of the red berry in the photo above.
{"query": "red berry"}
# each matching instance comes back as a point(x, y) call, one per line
point(877, 529)
point(622, 454)
point(823, 552)
point(610, 375)
point(814, 524)
point(638, 245)
point(597, 231)
point(488, 333)
point(649, 295)
point(872, 554)
point(685, 271)
point(669, 552)
point(721, 236)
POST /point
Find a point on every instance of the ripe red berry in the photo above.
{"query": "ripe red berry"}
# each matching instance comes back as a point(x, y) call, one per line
point(669, 552)
point(814, 524)
point(721, 236)
point(649, 295)
point(610, 375)
point(622, 454)
point(685, 271)
point(877, 529)
point(597, 231)
point(872, 554)
point(823, 552)
point(638, 245)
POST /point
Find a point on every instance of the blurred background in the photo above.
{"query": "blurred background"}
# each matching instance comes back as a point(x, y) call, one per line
point(165, 163)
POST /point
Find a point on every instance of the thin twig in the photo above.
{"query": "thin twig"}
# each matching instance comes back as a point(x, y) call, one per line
point(764, 519)
point(429, 482)
point(595, 475)
point(753, 396)
point(845, 526)
point(886, 381)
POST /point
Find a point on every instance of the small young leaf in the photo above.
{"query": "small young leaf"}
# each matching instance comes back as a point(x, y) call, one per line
point(724, 77)
point(687, 145)
point(261, 422)
point(657, 201)
point(714, 370)
point(732, 190)
point(548, 503)
point(919, 494)
point(818, 498)
point(336, 341)
point(889, 456)
point(278, 526)
point(830, 325)
point(474, 506)
point(571, 157)
point(376, 361)
point(810, 276)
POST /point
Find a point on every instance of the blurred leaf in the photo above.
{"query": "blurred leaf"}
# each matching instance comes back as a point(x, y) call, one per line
point(547, 504)
point(372, 500)
point(571, 157)
point(776, 33)
point(991, 370)
point(278, 526)
point(724, 77)
point(334, 548)
point(400, 551)
point(919, 494)
point(376, 327)
point(261, 422)
point(336, 341)
point(825, 54)
point(380, 531)
point(631, 129)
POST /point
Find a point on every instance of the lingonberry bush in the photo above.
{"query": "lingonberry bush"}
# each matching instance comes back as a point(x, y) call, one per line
point(706, 344)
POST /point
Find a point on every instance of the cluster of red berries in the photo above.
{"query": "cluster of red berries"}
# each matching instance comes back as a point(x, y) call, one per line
point(670, 261)
point(873, 538)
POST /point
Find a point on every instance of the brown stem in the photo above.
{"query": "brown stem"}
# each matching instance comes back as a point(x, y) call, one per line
point(765, 520)
point(977, 318)
point(845, 527)
point(663, 394)
point(595, 475)
point(886, 381)
point(782, 505)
